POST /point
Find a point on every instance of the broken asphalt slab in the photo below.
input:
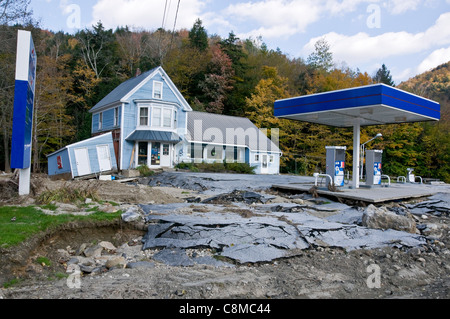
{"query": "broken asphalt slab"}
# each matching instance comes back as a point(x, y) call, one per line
point(437, 204)
point(179, 257)
point(271, 232)
point(265, 238)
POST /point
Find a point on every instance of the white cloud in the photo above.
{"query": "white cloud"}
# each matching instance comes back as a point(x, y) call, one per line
point(401, 6)
point(435, 59)
point(363, 48)
point(275, 18)
point(336, 7)
point(146, 13)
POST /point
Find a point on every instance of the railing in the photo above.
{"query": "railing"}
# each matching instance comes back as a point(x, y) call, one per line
point(317, 175)
point(386, 177)
point(402, 178)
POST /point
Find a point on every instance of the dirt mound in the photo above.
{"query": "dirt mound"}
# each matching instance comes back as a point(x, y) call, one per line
point(104, 190)
point(8, 190)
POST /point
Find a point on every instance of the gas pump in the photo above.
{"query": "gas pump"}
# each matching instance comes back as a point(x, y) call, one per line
point(336, 164)
point(373, 167)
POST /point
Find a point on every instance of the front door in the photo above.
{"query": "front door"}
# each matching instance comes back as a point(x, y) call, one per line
point(265, 164)
point(165, 155)
point(82, 161)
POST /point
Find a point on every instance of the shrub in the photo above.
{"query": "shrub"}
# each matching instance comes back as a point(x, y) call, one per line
point(144, 170)
point(241, 168)
point(217, 167)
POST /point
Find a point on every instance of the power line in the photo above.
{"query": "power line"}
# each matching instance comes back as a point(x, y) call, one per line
point(175, 24)
point(164, 16)
point(161, 31)
point(176, 16)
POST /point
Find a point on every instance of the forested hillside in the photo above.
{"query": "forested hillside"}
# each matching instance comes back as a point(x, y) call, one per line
point(433, 149)
point(222, 75)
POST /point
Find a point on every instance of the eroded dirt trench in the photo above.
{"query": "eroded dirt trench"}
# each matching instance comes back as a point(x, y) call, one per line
point(46, 255)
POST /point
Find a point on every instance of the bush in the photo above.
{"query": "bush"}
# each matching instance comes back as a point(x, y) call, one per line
point(241, 168)
point(217, 167)
point(144, 170)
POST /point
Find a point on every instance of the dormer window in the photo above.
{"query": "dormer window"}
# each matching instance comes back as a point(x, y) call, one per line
point(157, 90)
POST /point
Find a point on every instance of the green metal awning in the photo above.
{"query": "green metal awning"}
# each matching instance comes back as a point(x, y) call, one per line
point(154, 136)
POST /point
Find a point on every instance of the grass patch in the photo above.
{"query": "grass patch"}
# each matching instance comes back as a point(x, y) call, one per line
point(30, 221)
point(44, 261)
point(11, 283)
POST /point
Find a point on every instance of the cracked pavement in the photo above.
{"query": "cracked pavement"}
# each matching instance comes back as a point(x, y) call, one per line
point(270, 231)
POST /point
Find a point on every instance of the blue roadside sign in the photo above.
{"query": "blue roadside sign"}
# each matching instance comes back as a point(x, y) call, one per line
point(23, 101)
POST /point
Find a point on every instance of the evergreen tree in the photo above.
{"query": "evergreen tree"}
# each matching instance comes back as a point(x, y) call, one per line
point(383, 75)
point(243, 84)
point(198, 36)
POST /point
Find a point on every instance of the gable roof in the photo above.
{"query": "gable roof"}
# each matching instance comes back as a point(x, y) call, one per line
point(212, 128)
point(124, 91)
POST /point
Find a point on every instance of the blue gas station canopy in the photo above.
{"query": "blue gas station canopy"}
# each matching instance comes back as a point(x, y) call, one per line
point(372, 105)
point(361, 106)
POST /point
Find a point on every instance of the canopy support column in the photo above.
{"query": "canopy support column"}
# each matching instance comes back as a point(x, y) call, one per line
point(356, 151)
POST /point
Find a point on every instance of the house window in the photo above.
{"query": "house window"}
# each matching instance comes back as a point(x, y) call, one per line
point(143, 116)
point(214, 152)
point(100, 121)
point(197, 151)
point(156, 120)
point(271, 159)
point(167, 118)
point(166, 148)
point(116, 116)
point(257, 158)
point(157, 90)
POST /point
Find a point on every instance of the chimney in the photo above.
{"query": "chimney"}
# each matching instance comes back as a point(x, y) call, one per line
point(138, 72)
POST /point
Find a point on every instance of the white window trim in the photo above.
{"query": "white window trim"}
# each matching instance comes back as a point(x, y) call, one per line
point(154, 91)
point(142, 106)
point(163, 108)
point(152, 125)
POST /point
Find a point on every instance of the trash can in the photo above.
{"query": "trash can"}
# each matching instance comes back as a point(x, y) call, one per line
point(373, 167)
point(336, 164)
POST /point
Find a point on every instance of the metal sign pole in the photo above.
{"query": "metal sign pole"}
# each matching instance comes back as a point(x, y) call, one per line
point(23, 109)
point(356, 150)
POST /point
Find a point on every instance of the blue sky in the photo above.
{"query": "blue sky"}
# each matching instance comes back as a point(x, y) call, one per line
point(409, 36)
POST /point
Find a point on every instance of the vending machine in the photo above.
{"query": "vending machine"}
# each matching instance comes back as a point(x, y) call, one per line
point(373, 167)
point(336, 164)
